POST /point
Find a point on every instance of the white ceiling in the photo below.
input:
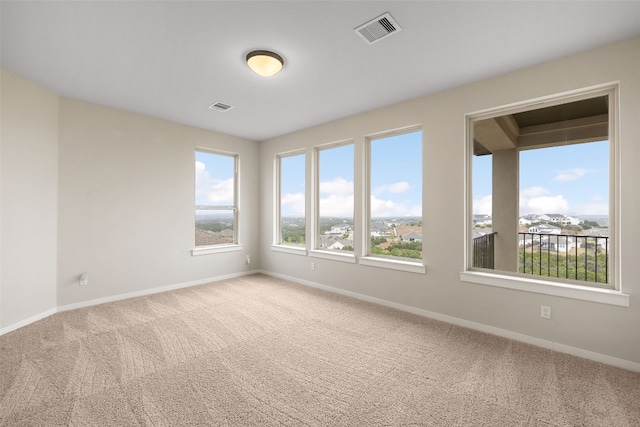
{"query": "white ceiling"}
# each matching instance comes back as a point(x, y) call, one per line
point(173, 59)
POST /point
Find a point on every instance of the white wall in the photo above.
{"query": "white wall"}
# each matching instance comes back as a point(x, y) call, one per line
point(595, 327)
point(29, 201)
point(126, 203)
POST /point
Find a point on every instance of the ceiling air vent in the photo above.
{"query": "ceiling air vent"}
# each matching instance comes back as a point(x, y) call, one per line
point(377, 29)
point(219, 106)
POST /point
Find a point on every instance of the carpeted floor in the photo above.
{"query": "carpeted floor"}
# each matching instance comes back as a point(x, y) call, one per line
point(257, 350)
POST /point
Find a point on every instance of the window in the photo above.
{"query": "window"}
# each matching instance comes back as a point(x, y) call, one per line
point(335, 198)
point(395, 196)
point(543, 192)
point(291, 226)
point(216, 211)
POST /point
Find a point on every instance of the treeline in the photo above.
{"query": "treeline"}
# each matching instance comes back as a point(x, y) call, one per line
point(214, 226)
point(293, 234)
point(589, 268)
point(400, 249)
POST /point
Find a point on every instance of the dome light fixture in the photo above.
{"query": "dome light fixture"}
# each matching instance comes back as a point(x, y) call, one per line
point(265, 62)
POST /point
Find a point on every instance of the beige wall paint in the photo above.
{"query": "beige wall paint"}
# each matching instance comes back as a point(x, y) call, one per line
point(604, 329)
point(29, 199)
point(127, 203)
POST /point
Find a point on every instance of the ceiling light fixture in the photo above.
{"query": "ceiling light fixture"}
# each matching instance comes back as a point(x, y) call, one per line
point(264, 62)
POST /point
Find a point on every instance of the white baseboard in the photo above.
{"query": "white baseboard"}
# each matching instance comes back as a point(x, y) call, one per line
point(562, 348)
point(119, 297)
point(153, 291)
point(28, 321)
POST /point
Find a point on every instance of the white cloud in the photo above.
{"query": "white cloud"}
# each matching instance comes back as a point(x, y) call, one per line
point(338, 186)
point(535, 200)
point(571, 174)
point(483, 205)
point(398, 187)
point(339, 199)
point(386, 208)
point(337, 205)
point(292, 204)
point(533, 192)
point(213, 191)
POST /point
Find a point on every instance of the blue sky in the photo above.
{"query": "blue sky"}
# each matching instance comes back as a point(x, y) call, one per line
point(214, 179)
point(292, 178)
point(396, 179)
point(396, 176)
point(570, 179)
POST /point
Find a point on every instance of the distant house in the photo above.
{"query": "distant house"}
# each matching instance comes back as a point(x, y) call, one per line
point(528, 239)
point(338, 230)
point(574, 221)
point(481, 219)
point(562, 219)
point(556, 218)
point(544, 229)
point(412, 236)
point(557, 243)
point(328, 241)
point(528, 219)
point(379, 231)
point(334, 242)
point(524, 221)
point(593, 242)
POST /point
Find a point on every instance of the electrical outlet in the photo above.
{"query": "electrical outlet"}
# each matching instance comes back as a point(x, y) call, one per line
point(248, 259)
point(313, 266)
point(84, 279)
point(545, 312)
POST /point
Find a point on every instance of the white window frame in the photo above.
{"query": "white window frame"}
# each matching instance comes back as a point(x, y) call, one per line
point(540, 285)
point(315, 250)
point(231, 247)
point(366, 257)
point(277, 185)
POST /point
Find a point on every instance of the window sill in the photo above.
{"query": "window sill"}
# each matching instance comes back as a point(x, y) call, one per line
point(335, 256)
point(604, 296)
point(412, 267)
point(295, 250)
point(205, 250)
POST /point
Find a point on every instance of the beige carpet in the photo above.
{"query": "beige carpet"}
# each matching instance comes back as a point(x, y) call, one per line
point(263, 351)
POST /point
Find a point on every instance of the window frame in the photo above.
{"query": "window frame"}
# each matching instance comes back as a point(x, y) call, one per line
point(541, 284)
point(277, 204)
point(223, 247)
point(367, 258)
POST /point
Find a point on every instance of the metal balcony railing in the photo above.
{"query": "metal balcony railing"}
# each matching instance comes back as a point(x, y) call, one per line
point(577, 257)
point(483, 250)
point(566, 256)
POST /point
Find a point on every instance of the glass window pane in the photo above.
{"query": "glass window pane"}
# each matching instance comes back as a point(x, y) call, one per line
point(396, 197)
point(215, 215)
point(292, 200)
point(215, 227)
point(335, 204)
point(214, 179)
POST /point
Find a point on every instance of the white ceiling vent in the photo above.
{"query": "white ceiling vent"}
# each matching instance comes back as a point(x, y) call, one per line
point(219, 106)
point(377, 29)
